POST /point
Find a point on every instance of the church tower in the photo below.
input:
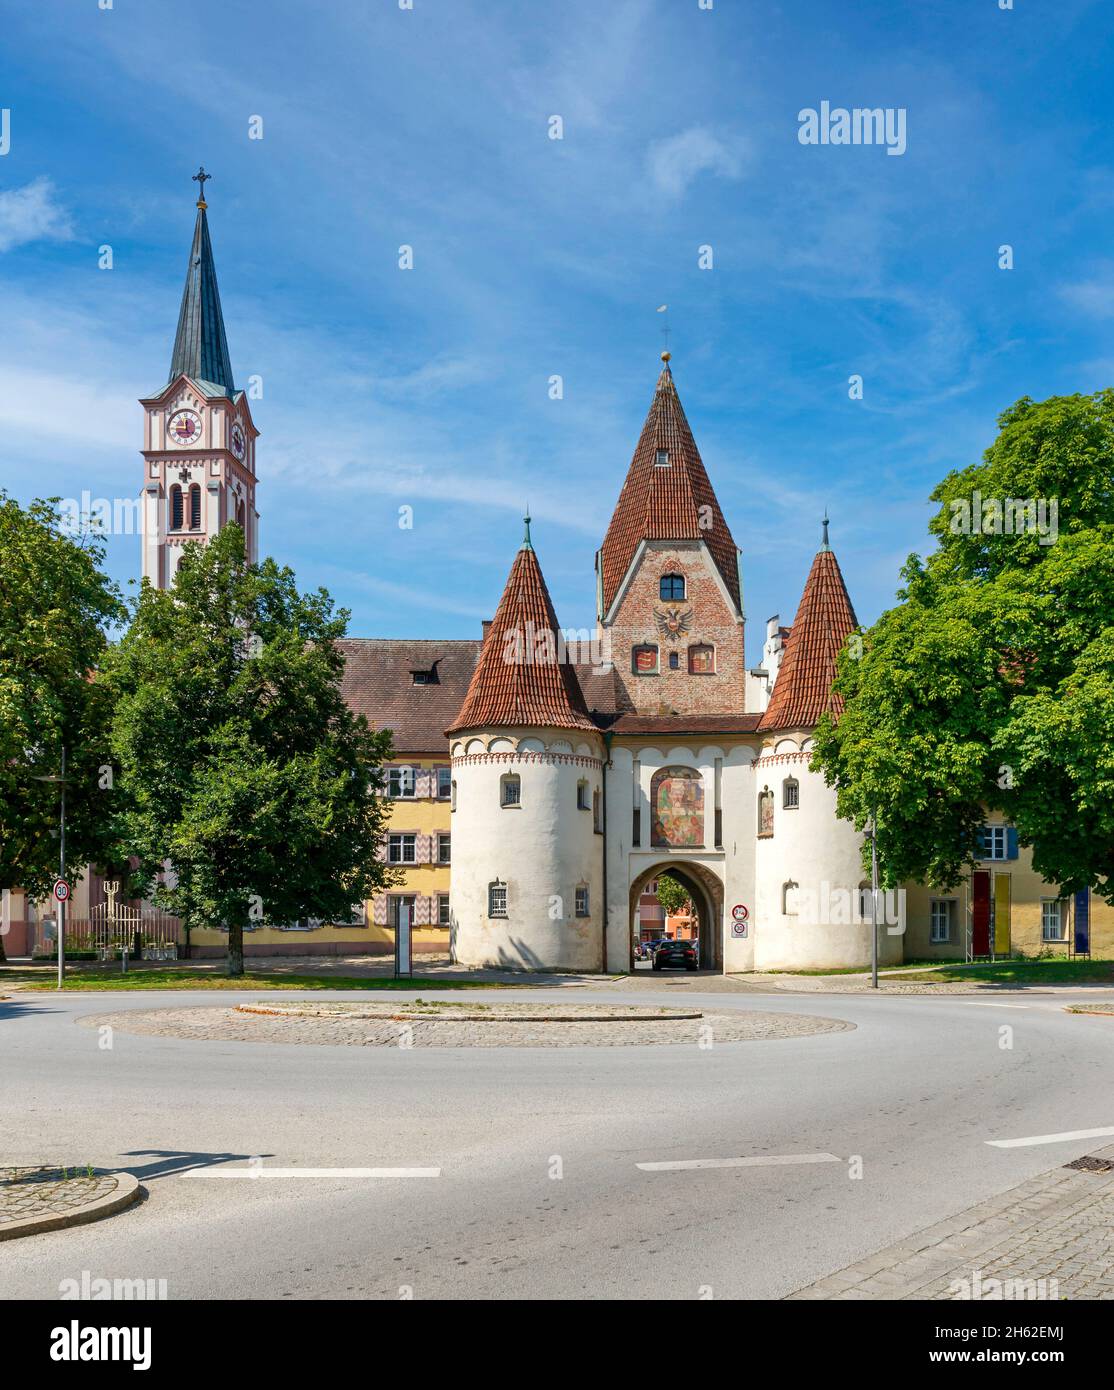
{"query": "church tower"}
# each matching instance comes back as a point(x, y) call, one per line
point(199, 439)
point(668, 589)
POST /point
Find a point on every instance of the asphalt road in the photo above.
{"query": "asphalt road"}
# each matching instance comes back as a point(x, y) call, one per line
point(916, 1091)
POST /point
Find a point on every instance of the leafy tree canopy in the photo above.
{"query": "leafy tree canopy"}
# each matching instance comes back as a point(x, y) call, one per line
point(672, 896)
point(56, 608)
point(242, 763)
point(991, 683)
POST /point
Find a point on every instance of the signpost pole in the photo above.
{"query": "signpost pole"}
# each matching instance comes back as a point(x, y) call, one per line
point(874, 902)
point(62, 876)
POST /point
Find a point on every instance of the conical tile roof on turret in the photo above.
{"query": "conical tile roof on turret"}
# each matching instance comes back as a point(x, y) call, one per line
point(523, 676)
point(825, 617)
point(666, 502)
point(200, 345)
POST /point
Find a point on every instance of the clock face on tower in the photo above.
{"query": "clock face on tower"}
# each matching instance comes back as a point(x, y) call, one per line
point(184, 427)
point(239, 442)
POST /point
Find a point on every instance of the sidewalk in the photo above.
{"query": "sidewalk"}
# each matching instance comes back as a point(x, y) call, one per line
point(1052, 1237)
point(45, 1199)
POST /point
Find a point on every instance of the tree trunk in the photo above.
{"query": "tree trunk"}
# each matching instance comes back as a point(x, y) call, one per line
point(235, 948)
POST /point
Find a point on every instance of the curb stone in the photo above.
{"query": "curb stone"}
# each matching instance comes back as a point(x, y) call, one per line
point(126, 1192)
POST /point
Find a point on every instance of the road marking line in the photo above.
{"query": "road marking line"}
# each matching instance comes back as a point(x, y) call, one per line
point(763, 1161)
point(262, 1172)
point(985, 1004)
point(1067, 1135)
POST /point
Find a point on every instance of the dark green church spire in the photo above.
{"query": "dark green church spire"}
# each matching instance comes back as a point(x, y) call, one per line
point(200, 345)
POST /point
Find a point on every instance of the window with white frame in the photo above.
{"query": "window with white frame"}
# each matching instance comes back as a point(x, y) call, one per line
point(941, 920)
point(582, 900)
point(443, 918)
point(510, 790)
point(444, 849)
point(790, 794)
point(402, 849)
point(395, 903)
point(995, 842)
point(444, 783)
point(1053, 919)
point(401, 782)
point(497, 899)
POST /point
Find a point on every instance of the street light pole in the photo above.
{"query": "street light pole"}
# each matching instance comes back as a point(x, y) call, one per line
point(874, 901)
point(62, 876)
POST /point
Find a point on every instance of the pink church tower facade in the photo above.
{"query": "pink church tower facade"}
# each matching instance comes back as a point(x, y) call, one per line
point(199, 438)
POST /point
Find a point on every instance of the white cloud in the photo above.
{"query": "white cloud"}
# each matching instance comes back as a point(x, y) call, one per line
point(673, 163)
point(1095, 294)
point(32, 213)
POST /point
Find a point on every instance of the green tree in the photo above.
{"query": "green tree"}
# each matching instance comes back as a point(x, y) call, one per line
point(243, 766)
point(991, 682)
point(56, 607)
point(672, 896)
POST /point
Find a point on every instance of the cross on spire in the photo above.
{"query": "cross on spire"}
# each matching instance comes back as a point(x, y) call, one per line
point(202, 178)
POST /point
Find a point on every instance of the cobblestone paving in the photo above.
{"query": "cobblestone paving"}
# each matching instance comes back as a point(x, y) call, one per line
point(30, 1192)
point(1056, 1227)
point(351, 1030)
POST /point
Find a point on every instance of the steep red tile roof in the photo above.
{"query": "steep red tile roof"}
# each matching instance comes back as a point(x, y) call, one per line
point(803, 689)
point(505, 690)
point(659, 503)
point(379, 683)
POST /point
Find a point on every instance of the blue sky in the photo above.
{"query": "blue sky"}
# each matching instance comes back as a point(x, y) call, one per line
point(536, 257)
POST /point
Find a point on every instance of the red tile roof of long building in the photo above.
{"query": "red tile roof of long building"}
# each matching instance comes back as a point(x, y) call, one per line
point(666, 503)
point(803, 689)
point(527, 690)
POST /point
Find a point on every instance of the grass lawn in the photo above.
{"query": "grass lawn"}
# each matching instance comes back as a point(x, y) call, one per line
point(188, 977)
point(1055, 970)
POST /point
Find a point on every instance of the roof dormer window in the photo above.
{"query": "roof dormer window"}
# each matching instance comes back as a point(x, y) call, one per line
point(661, 458)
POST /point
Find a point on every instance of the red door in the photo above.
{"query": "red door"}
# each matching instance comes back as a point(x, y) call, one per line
point(980, 913)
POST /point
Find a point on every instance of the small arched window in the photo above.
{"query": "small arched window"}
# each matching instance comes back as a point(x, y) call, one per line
point(789, 898)
point(866, 902)
point(790, 794)
point(765, 812)
point(671, 587)
point(176, 509)
point(510, 790)
point(241, 514)
point(195, 507)
point(497, 898)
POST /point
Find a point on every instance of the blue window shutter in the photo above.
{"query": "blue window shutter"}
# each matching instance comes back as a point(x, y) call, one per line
point(1011, 842)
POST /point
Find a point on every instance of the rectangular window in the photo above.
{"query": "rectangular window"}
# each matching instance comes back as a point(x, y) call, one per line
point(582, 796)
point(394, 906)
point(512, 791)
point(401, 849)
point(661, 458)
point(443, 919)
point(1053, 919)
point(671, 587)
point(444, 849)
point(444, 783)
point(497, 900)
point(719, 828)
point(791, 795)
point(400, 782)
point(995, 842)
point(644, 660)
point(582, 901)
point(942, 911)
point(636, 827)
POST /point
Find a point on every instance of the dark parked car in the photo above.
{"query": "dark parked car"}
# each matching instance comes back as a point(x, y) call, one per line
point(673, 955)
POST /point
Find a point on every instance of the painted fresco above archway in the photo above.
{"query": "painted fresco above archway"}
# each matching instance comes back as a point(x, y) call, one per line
point(677, 808)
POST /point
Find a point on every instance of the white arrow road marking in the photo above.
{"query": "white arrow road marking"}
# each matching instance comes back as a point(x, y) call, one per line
point(1067, 1135)
point(261, 1172)
point(762, 1161)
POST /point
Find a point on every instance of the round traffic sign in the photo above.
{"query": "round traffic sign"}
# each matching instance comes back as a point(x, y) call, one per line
point(61, 889)
point(740, 912)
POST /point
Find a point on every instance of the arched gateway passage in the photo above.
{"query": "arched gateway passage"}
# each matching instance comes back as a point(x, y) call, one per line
point(706, 892)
